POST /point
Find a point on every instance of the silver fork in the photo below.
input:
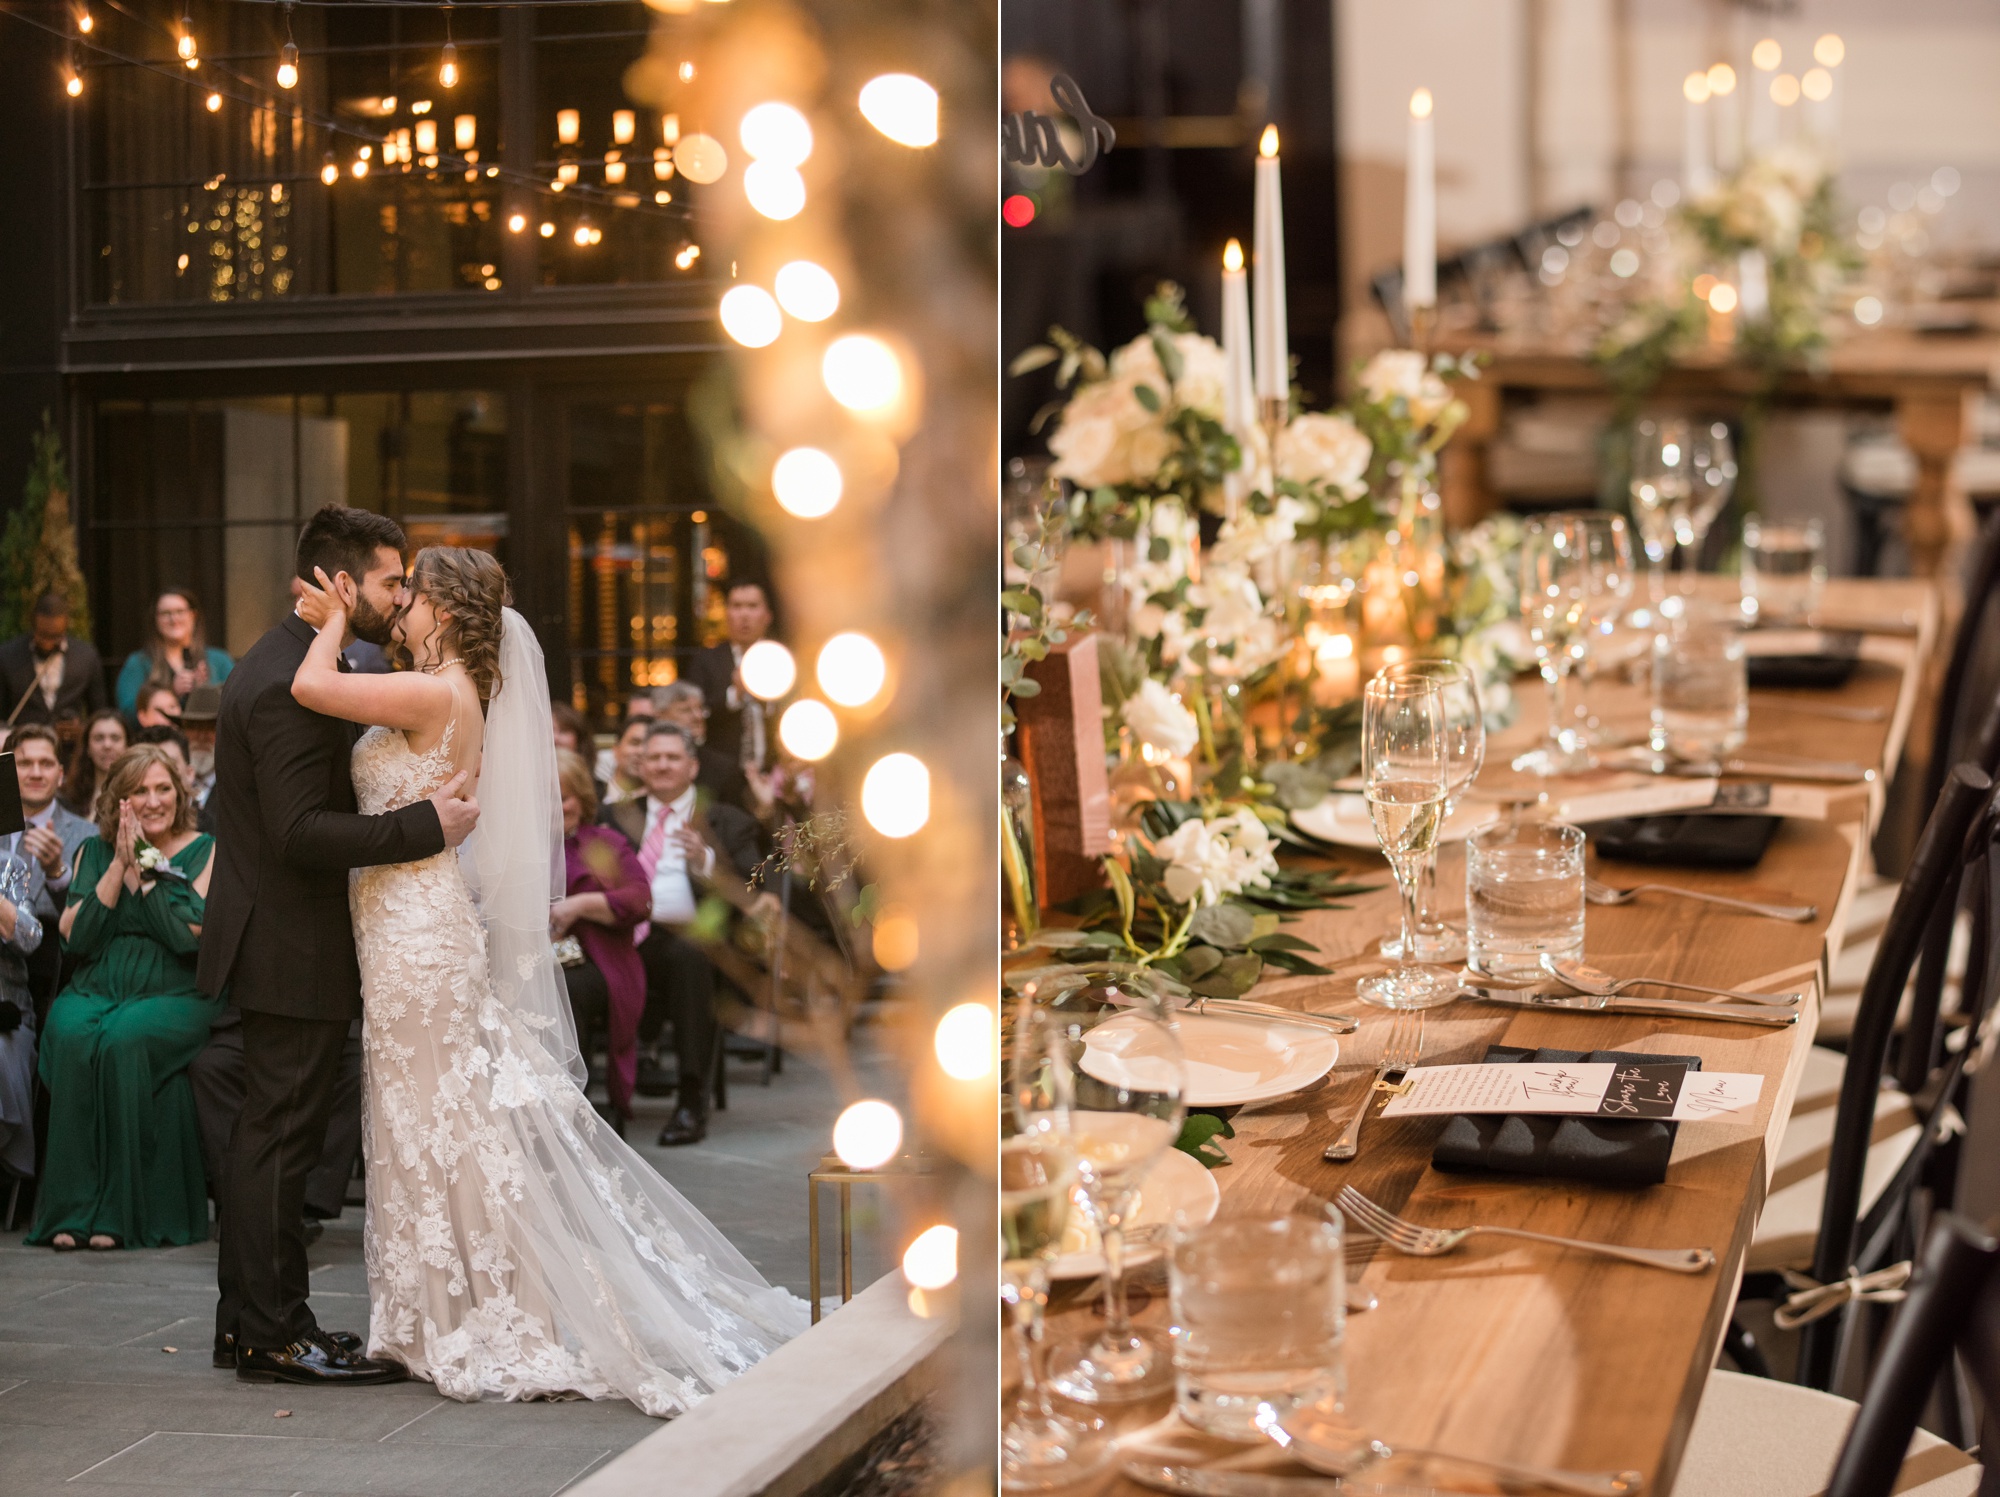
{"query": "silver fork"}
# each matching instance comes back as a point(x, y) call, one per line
point(1403, 1050)
point(1430, 1242)
point(1598, 892)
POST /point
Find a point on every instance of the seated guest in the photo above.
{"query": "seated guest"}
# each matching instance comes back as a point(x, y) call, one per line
point(124, 1153)
point(605, 897)
point(198, 715)
point(104, 739)
point(45, 675)
point(571, 733)
point(158, 707)
point(721, 775)
point(638, 709)
point(51, 839)
point(176, 654)
point(622, 781)
point(677, 833)
point(21, 936)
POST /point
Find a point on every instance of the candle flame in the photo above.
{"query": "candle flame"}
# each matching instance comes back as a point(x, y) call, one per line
point(1232, 255)
point(1695, 88)
point(1420, 104)
point(1268, 146)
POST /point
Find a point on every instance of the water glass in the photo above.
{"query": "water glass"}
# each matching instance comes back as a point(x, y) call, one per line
point(1465, 753)
point(1784, 566)
point(1523, 896)
point(1260, 1318)
point(1701, 685)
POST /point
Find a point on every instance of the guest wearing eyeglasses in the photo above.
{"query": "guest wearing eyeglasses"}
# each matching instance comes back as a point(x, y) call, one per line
point(176, 654)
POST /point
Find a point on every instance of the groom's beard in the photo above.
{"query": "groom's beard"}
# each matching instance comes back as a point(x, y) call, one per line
point(370, 624)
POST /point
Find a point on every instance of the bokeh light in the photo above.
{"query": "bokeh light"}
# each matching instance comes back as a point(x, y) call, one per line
point(867, 1134)
point(750, 316)
point(862, 373)
point(775, 191)
point(776, 133)
point(896, 795)
point(768, 670)
point(931, 1262)
point(807, 291)
point(808, 730)
point(806, 482)
point(965, 1041)
point(701, 158)
point(902, 107)
point(851, 669)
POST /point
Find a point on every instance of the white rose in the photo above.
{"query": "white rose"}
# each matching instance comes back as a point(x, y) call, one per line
point(1156, 716)
point(1324, 449)
point(1204, 370)
point(1405, 372)
point(1209, 860)
point(1107, 437)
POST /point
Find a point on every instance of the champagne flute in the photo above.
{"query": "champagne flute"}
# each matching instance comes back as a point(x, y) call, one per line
point(1662, 474)
point(1711, 480)
point(1124, 1051)
point(1608, 584)
point(1040, 1450)
point(1555, 611)
point(1465, 754)
point(1403, 768)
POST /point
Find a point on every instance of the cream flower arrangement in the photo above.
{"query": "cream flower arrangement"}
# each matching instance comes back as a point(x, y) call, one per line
point(1157, 718)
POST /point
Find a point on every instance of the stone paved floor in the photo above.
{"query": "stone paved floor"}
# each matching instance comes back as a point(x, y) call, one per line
point(92, 1404)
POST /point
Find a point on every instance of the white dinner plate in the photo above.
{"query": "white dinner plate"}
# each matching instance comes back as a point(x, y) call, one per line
point(1342, 819)
point(1228, 1062)
point(1176, 1182)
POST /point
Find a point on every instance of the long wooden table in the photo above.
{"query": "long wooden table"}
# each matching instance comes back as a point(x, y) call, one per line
point(1517, 1351)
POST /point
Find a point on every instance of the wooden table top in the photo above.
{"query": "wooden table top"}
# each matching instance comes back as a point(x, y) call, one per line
point(1516, 1351)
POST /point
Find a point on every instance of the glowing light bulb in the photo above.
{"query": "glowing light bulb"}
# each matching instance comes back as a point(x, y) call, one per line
point(896, 795)
point(582, 236)
point(965, 1041)
point(851, 669)
point(686, 255)
point(1829, 50)
point(73, 86)
point(1232, 255)
point(568, 124)
point(288, 66)
point(751, 317)
point(808, 730)
point(777, 133)
point(1766, 55)
point(807, 291)
point(663, 163)
point(931, 1262)
point(862, 373)
point(775, 191)
point(624, 124)
point(85, 21)
point(213, 103)
point(184, 45)
point(360, 167)
point(548, 230)
point(670, 128)
point(701, 158)
point(614, 168)
point(903, 107)
point(516, 222)
point(1721, 80)
point(426, 136)
point(1695, 89)
point(768, 670)
point(330, 172)
point(465, 131)
point(867, 1134)
point(448, 68)
point(806, 482)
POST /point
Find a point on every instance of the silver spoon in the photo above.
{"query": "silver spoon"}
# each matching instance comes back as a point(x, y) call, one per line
point(1598, 892)
point(1593, 980)
point(1327, 1441)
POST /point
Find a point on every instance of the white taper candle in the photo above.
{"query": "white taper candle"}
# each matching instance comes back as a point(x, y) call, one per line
point(1420, 279)
point(1273, 343)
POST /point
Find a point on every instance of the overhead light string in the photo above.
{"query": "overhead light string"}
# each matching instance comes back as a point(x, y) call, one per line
point(185, 44)
point(288, 58)
point(448, 68)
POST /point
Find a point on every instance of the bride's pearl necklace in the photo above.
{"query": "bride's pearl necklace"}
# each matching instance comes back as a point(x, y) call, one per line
point(433, 669)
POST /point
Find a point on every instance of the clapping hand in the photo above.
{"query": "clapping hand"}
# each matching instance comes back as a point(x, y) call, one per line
point(321, 606)
point(46, 848)
point(562, 918)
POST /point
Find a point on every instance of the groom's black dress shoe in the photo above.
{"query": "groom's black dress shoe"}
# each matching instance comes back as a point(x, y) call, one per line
point(225, 1346)
point(688, 1125)
point(316, 1361)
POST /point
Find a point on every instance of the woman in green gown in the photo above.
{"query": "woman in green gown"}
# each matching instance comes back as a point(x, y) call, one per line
point(124, 1153)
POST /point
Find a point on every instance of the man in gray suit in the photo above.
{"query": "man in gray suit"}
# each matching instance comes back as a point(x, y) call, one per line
point(50, 842)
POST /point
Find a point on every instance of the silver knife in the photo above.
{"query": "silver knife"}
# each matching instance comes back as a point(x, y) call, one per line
point(1725, 1013)
point(1239, 1008)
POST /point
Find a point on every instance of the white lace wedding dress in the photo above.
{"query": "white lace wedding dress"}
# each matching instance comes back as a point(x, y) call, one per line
point(516, 1247)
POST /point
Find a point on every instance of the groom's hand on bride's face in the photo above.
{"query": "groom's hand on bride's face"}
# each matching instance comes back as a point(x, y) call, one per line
point(457, 815)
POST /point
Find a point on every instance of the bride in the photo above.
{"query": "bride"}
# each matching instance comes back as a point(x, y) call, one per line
point(516, 1247)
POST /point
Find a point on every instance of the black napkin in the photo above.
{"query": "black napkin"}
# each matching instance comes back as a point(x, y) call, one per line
point(1833, 666)
point(1604, 1151)
point(1674, 841)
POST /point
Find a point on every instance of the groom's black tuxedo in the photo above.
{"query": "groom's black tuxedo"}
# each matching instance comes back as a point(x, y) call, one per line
point(277, 933)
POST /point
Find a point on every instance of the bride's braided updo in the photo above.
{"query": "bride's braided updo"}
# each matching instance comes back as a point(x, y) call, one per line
point(472, 587)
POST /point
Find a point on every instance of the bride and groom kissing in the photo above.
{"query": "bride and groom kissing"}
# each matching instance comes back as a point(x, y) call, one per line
point(515, 1246)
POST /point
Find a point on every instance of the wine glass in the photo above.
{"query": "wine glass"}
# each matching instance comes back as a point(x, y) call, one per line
point(1662, 474)
point(1403, 768)
point(1465, 754)
point(1556, 590)
point(1124, 1051)
point(1711, 480)
point(1607, 551)
point(1040, 1450)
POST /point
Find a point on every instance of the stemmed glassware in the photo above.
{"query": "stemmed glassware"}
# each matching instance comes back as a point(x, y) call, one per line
point(1662, 478)
point(1465, 754)
point(1124, 1051)
point(1040, 1450)
point(1711, 480)
point(1405, 777)
point(1556, 602)
point(1609, 582)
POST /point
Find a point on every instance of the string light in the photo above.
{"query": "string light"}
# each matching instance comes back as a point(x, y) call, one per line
point(768, 670)
point(663, 163)
point(686, 255)
point(548, 230)
point(184, 44)
point(427, 137)
point(670, 128)
point(214, 103)
point(330, 172)
point(851, 669)
point(902, 107)
point(85, 20)
point(569, 124)
point(807, 291)
point(516, 222)
point(360, 167)
point(775, 191)
point(862, 373)
point(896, 795)
point(806, 482)
point(751, 316)
point(73, 83)
point(614, 168)
point(624, 125)
point(448, 64)
point(465, 131)
point(777, 133)
point(808, 730)
point(965, 1042)
point(288, 56)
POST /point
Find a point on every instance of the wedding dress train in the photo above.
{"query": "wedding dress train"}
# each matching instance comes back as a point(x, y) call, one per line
point(515, 1246)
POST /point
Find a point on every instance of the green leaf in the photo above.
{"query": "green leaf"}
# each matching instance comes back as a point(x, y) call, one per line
point(1121, 885)
point(1147, 396)
point(1198, 961)
point(1168, 355)
point(1021, 600)
point(1027, 686)
point(1199, 1131)
point(1038, 356)
point(1281, 942)
point(1227, 925)
point(1242, 971)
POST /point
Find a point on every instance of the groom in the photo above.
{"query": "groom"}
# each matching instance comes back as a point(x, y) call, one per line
point(277, 934)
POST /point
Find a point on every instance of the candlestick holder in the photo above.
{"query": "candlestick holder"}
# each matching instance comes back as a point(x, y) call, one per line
point(1423, 326)
point(1271, 413)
